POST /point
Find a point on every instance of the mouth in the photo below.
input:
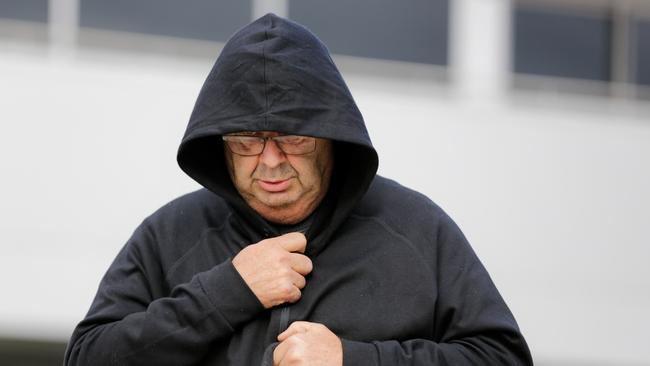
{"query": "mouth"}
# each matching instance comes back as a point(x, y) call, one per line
point(274, 185)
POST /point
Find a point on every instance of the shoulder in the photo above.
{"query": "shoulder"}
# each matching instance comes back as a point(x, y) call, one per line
point(200, 206)
point(176, 226)
point(386, 197)
point(414, 217)
point(404, 210)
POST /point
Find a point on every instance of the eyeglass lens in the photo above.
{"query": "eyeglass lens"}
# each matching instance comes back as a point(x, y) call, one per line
point(254, 145)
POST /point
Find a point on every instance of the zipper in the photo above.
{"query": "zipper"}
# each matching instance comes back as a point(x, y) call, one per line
point(284, 319)
point(285, 310)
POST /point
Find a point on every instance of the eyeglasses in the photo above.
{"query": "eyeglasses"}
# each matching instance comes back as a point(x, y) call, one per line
point(247, 145)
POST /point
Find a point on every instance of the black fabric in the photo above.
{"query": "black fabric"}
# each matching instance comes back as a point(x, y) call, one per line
point(393, 275)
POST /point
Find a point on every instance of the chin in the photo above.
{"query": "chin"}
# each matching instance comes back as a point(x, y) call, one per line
point(279, 203)
point(278, 212)
point(279, 200)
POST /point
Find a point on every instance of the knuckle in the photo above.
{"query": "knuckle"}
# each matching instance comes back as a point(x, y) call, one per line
point(295, 295)
point(287, 289)
point(273, 258)
point(283, 258)
point(294, 357)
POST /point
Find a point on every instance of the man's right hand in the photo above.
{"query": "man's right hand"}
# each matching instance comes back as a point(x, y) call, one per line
point(275, 268)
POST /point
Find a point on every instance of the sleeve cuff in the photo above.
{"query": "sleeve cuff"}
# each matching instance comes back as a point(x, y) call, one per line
point(359, 353)
point(229, 294)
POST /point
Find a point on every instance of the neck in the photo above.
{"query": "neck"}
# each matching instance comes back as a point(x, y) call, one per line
point(285, 215)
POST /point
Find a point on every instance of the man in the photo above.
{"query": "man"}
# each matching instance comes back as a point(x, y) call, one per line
point(295, 253)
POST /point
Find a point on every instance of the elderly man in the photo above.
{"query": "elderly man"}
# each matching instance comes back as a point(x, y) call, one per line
point(295, 252)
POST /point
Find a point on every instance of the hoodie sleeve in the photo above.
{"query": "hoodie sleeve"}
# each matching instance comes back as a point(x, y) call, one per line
point(473, 325)
point(135, 321)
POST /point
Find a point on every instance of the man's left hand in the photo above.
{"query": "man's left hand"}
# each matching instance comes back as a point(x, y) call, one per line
point(305, 343)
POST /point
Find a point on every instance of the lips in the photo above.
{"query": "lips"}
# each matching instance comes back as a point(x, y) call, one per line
point(274, 186)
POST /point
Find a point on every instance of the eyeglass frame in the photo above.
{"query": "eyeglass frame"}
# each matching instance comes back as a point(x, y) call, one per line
point(264, 139)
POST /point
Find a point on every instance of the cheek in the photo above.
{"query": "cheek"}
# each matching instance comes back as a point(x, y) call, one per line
point(314, 171)
point(244, 169)
point(312, 174)
point(304, 169)
point(324, 163)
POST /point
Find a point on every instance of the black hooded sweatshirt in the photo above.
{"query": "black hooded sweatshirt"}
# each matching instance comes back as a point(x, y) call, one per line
point(393, 275)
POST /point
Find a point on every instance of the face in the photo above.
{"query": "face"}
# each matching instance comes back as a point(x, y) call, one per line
point(283, 188)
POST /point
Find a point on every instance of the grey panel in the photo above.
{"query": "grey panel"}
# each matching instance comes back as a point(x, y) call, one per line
point(32, 10)
point(212, 20)
point(411, 30)
point(643, 52)
point(31, 352)
point(566, 45)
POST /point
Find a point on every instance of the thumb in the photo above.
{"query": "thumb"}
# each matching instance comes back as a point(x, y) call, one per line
point(295, 328)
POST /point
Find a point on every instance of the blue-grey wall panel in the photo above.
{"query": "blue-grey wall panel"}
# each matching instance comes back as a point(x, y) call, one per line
point(560, 44)
point(643, 52)
point(212, 20)
point(410, 30)
point(32, 10)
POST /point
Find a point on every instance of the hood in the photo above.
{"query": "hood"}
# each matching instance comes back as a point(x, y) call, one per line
point(275, 75)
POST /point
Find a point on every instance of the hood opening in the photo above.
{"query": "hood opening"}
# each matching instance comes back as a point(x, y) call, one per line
point(275, 75)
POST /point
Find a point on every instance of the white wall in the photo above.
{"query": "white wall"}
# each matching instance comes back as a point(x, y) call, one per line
point(555, 201)
point(553, 194)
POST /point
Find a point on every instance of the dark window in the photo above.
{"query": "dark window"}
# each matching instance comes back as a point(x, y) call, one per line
point(412, 30)
point(213, 20)
point(562, 44)
point(642, 49)
point(32, 10)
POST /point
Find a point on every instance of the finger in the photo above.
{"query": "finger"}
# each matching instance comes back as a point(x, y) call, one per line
point(279, 352)
point(295, 295)
point(300, 263)
point(292, 242)
point(295, 328)
point(288, 292)
point(298, 280)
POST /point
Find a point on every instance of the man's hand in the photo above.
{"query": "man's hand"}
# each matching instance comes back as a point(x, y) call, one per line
point(305, 343)
point(275, 269)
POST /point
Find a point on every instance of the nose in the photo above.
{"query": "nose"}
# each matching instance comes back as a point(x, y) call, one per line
point(272, 156)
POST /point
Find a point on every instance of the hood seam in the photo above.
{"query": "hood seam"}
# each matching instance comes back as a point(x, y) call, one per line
point(266, 82)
